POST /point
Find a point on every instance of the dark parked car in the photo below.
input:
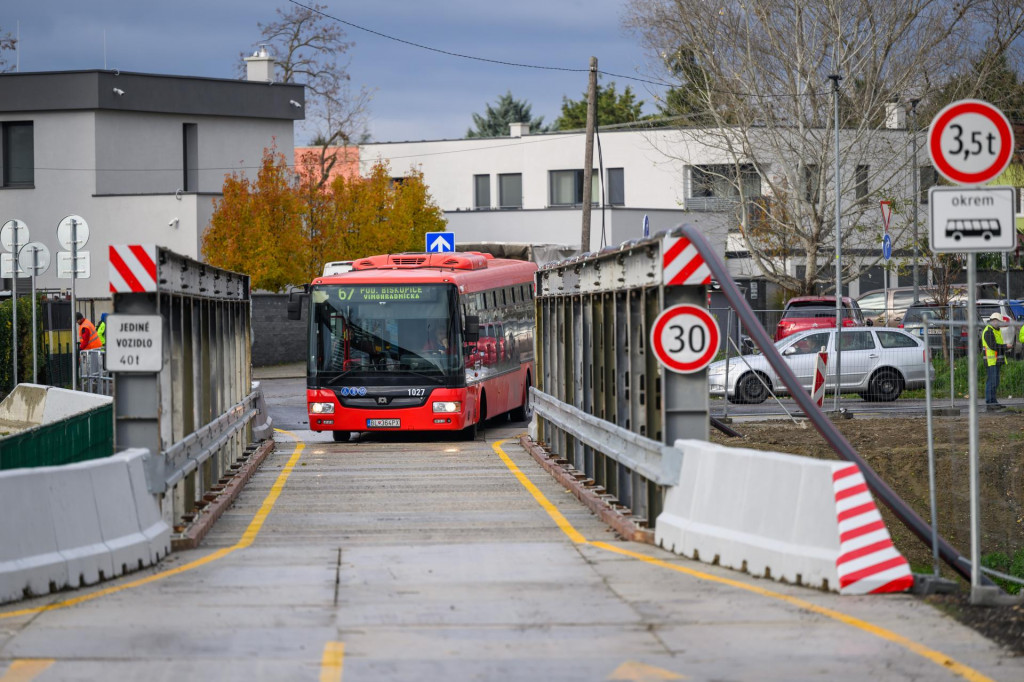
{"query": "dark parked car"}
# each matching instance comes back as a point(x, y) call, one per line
point(940, 336)
point(816, 312)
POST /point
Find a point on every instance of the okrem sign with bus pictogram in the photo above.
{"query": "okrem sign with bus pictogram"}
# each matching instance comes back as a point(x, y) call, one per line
point(685, 338)
point(972, 219)
point(970, 142)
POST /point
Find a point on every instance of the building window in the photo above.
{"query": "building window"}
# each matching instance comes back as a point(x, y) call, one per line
point(812, 183)
point(190, 158)
point(481, 192)
point(566, 188)
point(18, 154)
point(510, 190)
point(861, 184)
point(724, 181)
point(927, 178)
point(616, 187)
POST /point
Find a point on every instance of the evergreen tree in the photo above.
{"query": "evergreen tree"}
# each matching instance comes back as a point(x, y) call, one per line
point(495, 121)
point(612, 108)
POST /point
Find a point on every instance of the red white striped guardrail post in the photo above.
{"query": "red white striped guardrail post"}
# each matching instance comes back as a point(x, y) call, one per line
point(818, 392)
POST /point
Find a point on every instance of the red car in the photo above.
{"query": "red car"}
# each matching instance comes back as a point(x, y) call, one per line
point(814, 312)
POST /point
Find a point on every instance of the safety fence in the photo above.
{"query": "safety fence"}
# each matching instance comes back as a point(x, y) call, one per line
point(93, 376)
point(879, 374)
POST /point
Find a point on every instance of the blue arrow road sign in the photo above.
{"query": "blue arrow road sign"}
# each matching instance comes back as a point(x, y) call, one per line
point(440, 242)
point(647, 227)
point(886, 247)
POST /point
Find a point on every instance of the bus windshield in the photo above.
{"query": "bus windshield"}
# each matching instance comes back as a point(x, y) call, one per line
point(385, 333)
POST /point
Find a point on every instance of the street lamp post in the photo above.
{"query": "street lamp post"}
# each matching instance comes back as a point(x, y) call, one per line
point(917, 187)
point(835, 78)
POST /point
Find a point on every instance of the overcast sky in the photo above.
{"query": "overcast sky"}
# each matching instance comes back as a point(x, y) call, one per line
point(417, 94)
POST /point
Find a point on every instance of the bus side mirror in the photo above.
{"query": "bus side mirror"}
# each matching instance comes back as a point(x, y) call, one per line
point(295, 302)
point(471, 333)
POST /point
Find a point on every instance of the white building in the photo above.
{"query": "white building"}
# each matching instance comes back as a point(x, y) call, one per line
point(140, 157)
point(528, 188)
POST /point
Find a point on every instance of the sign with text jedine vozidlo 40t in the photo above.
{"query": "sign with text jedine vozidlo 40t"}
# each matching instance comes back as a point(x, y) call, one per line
point(134, 343)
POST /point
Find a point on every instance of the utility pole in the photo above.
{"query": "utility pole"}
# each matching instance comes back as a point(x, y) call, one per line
point(588, 155)
point(835, 78)
point(917, 188)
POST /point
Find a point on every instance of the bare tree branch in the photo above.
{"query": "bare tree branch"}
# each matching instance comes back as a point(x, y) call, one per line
point(757, 80)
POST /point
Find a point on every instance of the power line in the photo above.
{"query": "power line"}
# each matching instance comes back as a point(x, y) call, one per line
point(434, 49)
point(536, 66)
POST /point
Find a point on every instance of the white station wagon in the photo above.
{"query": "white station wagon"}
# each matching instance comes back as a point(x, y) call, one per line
point(878, 363)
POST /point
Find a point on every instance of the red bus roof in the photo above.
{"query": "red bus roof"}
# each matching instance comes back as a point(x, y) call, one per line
point(471, 271)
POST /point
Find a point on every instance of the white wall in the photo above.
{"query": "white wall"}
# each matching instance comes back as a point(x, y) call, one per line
point(130, 197)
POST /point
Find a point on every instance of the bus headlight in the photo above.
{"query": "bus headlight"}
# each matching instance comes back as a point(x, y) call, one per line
point(321, 408)
point(451, 406)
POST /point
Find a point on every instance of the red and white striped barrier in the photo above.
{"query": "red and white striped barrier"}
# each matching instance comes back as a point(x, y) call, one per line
point(132, 268)
point(818, 392)
point(868, 562)
point(682, 263)
point(794, 519)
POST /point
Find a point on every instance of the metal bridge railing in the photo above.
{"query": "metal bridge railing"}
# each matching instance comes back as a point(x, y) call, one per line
point(195, 413)
point(603, 402)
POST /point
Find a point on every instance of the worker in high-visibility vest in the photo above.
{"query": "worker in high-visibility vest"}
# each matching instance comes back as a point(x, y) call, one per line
point(101, 329)
point(995, 357)
point(87, 337)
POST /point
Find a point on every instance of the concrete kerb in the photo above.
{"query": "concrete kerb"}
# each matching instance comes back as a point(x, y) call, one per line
point(221, 497)
point(590, 495)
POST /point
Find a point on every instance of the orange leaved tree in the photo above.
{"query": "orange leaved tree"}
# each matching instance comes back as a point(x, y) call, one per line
point(282, 227)
point(256, 228)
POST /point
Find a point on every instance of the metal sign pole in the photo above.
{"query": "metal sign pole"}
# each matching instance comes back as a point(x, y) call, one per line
point(931, 444)
point(35, 340)
point(972, 419)
point(74, 321)
point(14, 305)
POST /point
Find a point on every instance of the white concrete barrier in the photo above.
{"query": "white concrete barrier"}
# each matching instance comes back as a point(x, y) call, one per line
point(119, 520)
point(262, 423)
point(30, 405)
point(793, 519)
point(30, 557)
point(151, 523)
point(76, 524)
point(65, 526)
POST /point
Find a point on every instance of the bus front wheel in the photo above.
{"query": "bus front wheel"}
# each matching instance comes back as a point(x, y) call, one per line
point(341, 436)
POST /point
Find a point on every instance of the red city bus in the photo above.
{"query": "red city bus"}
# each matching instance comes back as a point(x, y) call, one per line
point(419, 342)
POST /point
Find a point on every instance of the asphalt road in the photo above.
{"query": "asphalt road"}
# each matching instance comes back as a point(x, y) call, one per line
point(419, 558)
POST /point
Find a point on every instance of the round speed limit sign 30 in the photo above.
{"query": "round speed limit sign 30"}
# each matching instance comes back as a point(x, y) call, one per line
point(685, 338)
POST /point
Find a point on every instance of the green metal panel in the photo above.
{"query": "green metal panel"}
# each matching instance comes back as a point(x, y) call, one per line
point(85, 436)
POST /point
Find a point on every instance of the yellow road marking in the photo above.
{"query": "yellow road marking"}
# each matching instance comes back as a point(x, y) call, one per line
point(940, 659)
point(552, 511)
point(634, 671)
point(332, 662)
point(246, 540)
point(26, 669)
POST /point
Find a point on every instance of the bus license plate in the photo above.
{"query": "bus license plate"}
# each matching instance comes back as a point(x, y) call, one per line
point(383, 423)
